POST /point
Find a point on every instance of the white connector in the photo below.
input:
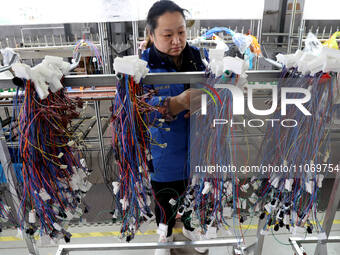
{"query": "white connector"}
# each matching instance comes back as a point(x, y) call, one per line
point(163, 146)
point(125, 203)
point(172, 202)
point(268, 207)
point(275, 182)
point(289, 184)
point(245, 187)
point(319, 179)
point(235, 65)
point(325, 159)
point(83, 162)
point(31, 217)
point(162, 229)
point(70, 143)
point(206, 188)
point(309, 185)
point(286, 219)
point(131, 65)
point(44, 195)
point(57, 226)
point(253, 198)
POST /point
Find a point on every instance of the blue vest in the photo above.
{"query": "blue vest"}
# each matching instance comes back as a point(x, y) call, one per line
point(172, 162)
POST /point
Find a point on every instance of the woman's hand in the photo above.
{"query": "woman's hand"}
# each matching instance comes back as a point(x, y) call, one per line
point(182, 101)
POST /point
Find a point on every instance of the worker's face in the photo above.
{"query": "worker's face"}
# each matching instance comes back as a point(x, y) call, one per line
point(170, 35)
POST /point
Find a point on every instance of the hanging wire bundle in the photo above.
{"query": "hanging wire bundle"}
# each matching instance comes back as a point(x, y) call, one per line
point(93, 48)
point(303, 152)
point(214, 193)
point(131, 119)
point(54, 171)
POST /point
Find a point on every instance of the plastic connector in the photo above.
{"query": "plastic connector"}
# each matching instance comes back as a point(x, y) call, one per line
point(57, 226)
point(206, 188)
point(163, 146)
point(162, 229)
point(70, 143)
point(235, 64)
point(275, 181)
point(319, 179)
point(125, 203)
point(309, 185)
point(289, 184)
point(131, 65)
point(44, 195)
point(216, 61)
point(31, 217)
point(172, 202)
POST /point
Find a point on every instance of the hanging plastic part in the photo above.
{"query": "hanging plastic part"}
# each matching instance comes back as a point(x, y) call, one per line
point(162, 229)
point(44, 195)
point(131, 65)
point(31, 217)
point(227, 211)
point(242, 42)
point(50, 71)
point(332, 42)
point(235, 65)
point(216, 61)
point(206, 188)
point(319, 179)
point(289, 184)
point(309, 186)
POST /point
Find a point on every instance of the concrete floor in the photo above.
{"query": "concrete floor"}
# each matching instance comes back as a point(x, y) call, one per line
point(91, 234)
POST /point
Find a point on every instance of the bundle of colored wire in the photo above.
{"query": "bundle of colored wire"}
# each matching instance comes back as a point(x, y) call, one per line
point(301, 150)
point(53, 169)
point(214, 192)
point(93, 48)
point(131, 119)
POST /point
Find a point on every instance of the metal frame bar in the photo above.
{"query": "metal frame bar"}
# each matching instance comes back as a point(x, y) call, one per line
point(333, 203)
point(291, 28)
point(10, 175)
point(296, 242)
point(65, 249)
point(135, 36)
point(104, 80)
point(259, 38)
point(105, 49)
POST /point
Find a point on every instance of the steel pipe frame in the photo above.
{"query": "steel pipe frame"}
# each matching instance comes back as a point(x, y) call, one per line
point(103, 80)
point(297, 241)
point(65, 249)
point(291, 28)
point(10, 176)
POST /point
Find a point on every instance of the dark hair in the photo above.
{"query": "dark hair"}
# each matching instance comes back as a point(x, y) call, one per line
point(158, 9)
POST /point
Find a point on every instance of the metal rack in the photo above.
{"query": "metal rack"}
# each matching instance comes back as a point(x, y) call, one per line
point(171, 78)
point(65, 249)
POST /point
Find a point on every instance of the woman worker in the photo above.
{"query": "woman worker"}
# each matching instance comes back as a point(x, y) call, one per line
point(170, 52)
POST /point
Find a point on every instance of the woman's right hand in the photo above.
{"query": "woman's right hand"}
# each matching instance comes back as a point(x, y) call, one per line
point(182, 101)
